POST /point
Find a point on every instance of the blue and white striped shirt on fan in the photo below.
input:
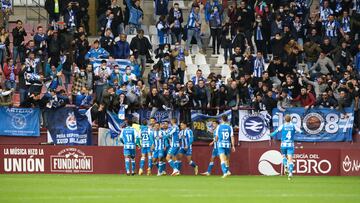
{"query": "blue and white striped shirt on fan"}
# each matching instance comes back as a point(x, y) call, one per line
point(259, 67)
point(331, 28)
point(345, 24)
point(193, 18)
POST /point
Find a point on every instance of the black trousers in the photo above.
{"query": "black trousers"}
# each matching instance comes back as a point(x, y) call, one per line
point(216, 38)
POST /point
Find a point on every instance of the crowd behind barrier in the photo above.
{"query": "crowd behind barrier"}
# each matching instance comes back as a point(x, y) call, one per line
point(276, 54)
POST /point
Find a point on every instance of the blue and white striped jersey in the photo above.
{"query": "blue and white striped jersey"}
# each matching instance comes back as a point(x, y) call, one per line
point(287, 134)
point(159, 139)
point(145, 136)
point(129, 135)
point(186, 138)
point(224, 132)
point(173, 134)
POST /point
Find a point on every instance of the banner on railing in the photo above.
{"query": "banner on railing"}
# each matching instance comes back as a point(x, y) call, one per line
point(254, 126)
point(106, 139)
point(160, 115)
point(68, 127)
point(318, 124)
point(202, 124)
point(20, 121)
point(122, 63)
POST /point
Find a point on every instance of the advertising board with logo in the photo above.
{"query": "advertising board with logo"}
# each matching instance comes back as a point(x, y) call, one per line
point(20, 121)
point(306, 162)
point(253, 126)
point(60, 159)
point(318, 125)
point(110, 160)
point(350, 162)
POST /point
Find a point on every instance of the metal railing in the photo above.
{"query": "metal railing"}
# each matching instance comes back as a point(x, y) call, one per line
point(35, 6)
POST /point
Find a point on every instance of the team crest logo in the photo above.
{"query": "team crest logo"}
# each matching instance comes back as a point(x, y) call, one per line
point(254, 126)
point(18, 121)
point(71, 122)
point(313, 123)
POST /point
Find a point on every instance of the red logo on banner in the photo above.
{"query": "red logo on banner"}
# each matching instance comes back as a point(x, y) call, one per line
point(71, 160)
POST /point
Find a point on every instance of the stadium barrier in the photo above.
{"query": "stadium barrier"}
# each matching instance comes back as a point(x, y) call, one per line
point(246, 160)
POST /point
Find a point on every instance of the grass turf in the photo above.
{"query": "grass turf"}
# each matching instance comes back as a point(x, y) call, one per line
point(120, 188)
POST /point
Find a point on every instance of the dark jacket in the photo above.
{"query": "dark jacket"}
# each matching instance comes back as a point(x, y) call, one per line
point(18, 36)
point(142, 46)
point(50, 6)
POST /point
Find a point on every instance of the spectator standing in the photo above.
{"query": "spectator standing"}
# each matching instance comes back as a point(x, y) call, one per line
point(140, 46)
point(101, 75)
point(4, 46)
point(54, 9)
point(194, 28)
point(19, 34)
point(179, 54)
point(136, 15)
point(122, 48)
point(175, 20)
point(215, 22)
point(10, 73)
point(163, 30)
point(96, 52)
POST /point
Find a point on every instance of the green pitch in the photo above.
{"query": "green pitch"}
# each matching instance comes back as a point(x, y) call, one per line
point(120, 188)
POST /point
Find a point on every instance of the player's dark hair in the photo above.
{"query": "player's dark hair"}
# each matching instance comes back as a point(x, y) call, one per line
point(224, 118)
point(129, 122)
point(144, 122)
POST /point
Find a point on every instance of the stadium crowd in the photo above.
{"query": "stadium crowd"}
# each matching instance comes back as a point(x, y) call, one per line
point(279, 54)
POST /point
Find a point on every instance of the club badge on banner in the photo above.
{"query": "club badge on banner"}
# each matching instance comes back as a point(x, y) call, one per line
point(202, 124)
point(67, 126)
point(319, 124)
point(254, 126)
point(20, 121)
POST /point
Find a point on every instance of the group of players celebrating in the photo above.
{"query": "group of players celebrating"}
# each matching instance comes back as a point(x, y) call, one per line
point(166, 142)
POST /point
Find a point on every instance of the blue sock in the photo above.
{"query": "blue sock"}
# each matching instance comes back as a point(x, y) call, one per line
point(164, 166)
point(210, 167)
point(171, 163)
point(142, 163)
point(133, 166)
point(160, 167)
point(285, 162)
point(150, 162)
point(127, 165)
point(191, 163)
point(223, 167)
point(177, 165)
point(291, 167)
point(227, 168)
